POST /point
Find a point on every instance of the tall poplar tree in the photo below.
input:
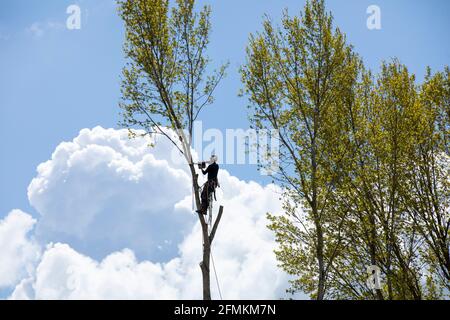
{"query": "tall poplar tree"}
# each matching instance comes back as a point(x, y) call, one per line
point(296, 76)
point(166, 83)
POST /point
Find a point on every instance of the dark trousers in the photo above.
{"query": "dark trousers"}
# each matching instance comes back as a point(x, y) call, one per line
point(208, 189)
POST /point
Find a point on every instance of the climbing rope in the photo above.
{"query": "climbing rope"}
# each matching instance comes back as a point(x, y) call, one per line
point(215, 274)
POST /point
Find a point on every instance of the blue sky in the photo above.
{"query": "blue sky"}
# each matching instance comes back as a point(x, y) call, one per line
point(58, 82)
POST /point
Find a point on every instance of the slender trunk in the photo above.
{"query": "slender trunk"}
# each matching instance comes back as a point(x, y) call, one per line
point(388, 269)
point(207, 235)
point(320, 259)
point(204, 265)
point(316, 215)
point(373, 253)
point(207, 241)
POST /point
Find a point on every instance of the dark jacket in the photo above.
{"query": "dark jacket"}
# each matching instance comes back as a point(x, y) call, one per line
point(212, 171)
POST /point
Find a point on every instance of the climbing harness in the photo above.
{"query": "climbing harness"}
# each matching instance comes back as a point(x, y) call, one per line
point(211, 196)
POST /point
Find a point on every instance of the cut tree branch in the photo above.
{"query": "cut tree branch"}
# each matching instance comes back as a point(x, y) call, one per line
point(216, 224)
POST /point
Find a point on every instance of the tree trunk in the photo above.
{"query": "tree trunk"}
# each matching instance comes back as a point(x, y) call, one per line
point(320, 259)
point(204, 265)
point(317, 219)
point(207, 237)
point(373, 250)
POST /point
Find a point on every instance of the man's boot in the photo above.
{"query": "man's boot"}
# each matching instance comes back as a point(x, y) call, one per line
point(202, 211)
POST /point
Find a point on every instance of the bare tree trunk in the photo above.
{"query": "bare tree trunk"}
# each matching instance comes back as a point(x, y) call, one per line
point(207, 241)
point(208, 236)
point(204, 265)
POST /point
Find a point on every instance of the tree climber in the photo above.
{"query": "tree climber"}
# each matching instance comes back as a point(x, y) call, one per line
point(211, 184)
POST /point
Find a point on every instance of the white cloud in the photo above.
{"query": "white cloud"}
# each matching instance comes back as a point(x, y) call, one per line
point(102, 193)
point(18, 252)
point(66, 274)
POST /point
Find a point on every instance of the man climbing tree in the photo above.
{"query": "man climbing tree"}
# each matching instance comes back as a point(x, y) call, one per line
point(165, 85)
point(209, 188)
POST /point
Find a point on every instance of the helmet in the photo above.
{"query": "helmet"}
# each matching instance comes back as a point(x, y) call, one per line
point(213, 159)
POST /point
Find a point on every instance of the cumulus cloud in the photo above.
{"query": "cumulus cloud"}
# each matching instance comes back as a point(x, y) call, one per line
point(18, 251)
point(103, 192)
point(118, 218)
point(243, 248)
point(64, 273)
